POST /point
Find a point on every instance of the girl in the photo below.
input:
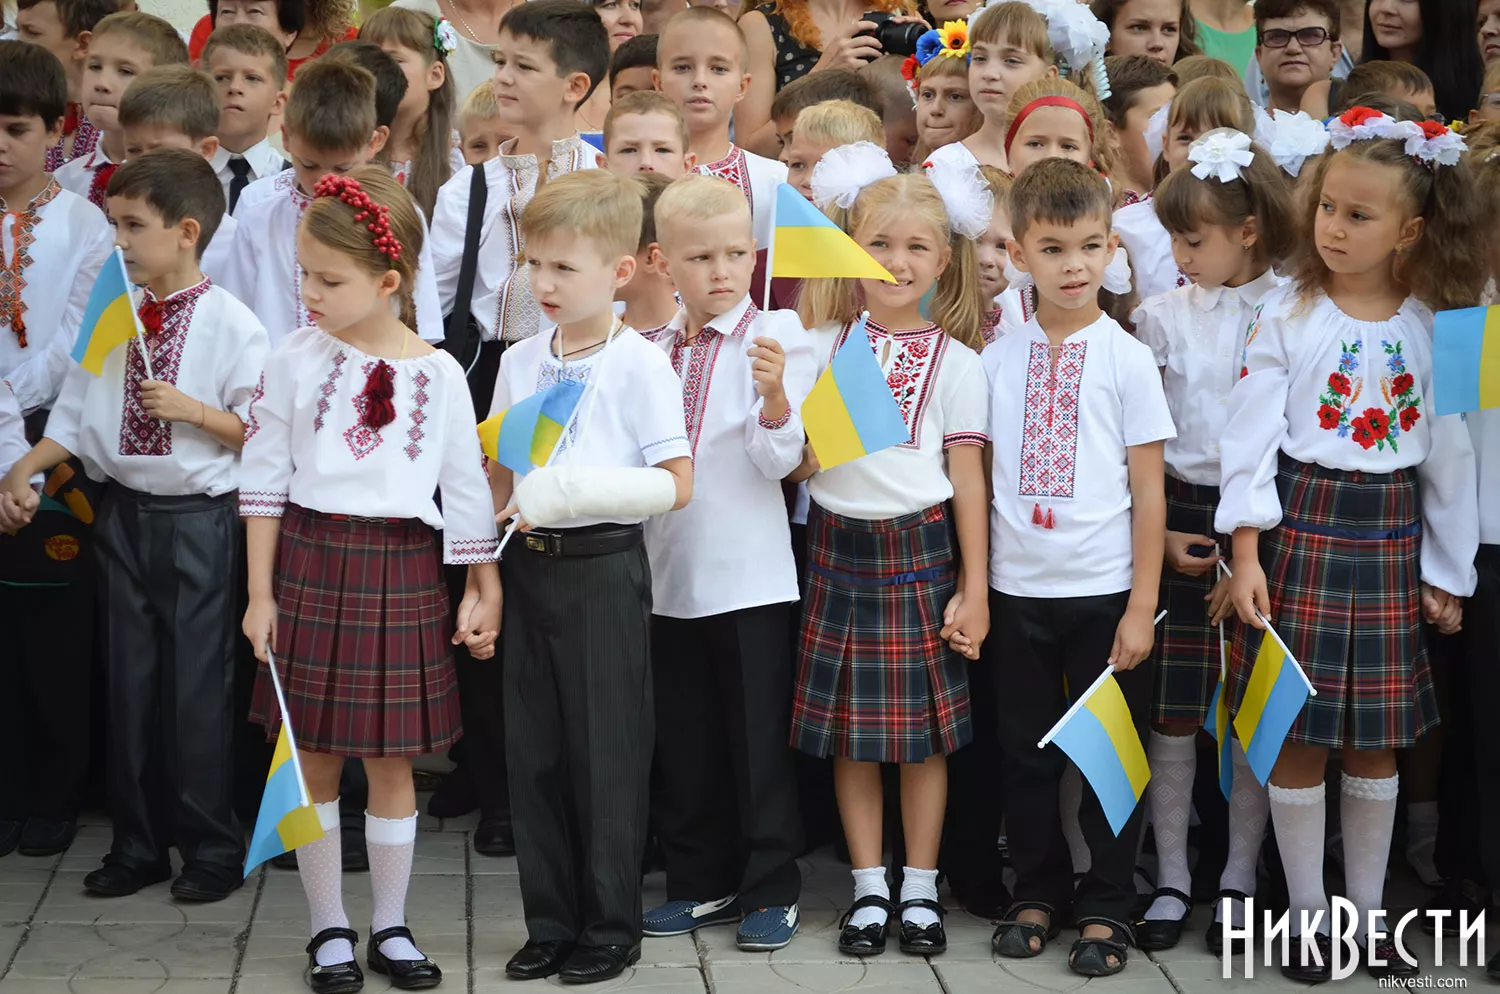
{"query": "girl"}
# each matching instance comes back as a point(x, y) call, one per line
point(1367, 499)
point(1436, 36)
point(356, 423)
point(421, 145)
point(1052, 118)
point(946, 113)
point(990, 252)
point(1139, 87)
point(889, 606)
point(1231, 224)
point(1163, 30)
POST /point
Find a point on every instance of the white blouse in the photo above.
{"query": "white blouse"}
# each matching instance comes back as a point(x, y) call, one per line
point(211, 348)
point(730, 547)
point(306, 443)
point(1061, 420)
point(1150, 248)
point(757, 177)
point(1197, 336)
point(939, 386)
point(1355, 396)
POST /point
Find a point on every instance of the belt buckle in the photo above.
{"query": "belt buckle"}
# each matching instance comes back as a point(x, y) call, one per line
point(537, 543)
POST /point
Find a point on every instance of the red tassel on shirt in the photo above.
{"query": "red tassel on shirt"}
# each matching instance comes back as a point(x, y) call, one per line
point(1043, 519)
point(150, 313)
point(100, 184)
point(380, 387)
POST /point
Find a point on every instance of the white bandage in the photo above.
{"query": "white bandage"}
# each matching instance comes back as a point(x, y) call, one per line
point(551, 495)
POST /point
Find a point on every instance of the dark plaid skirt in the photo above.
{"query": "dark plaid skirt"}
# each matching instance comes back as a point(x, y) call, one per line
point(1343, 575)
point(875, 681)
point(361, 639)
point(1187, 646)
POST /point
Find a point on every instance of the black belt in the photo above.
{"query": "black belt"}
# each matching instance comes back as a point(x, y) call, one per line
point(593, 540)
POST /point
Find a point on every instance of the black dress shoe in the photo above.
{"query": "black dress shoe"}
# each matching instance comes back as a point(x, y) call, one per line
point(866, 940)
point(494, 837)
point(205, 883)
point(536, 960)
point(405, 974)
point(591, 964)
point(1157, 934)
point(10, 834)
point(923, 940)
point(122, 880)
point(1394, 965)
point(44, 837)
point(339, 978)
point(1306, 970)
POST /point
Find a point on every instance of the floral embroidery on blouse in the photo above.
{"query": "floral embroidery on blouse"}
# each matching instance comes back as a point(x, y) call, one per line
point(1374, 427)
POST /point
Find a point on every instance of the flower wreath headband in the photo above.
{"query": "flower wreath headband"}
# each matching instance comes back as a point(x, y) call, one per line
point(1429, 142)
point(950, 41)
point(844, 172)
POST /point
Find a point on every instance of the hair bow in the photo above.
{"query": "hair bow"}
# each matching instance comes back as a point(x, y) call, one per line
point(965, 195)
point(844, 171)
point(1291, 139)
point(1222, 153)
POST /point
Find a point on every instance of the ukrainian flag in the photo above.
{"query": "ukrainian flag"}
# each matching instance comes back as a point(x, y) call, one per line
point(524, 435)
point(850, 411)
point(287, 818)
point(1101, 740)
point(1273, 699)
point(806, 244)
point(1218, 724)
point(1466, 360)
point(109, 318)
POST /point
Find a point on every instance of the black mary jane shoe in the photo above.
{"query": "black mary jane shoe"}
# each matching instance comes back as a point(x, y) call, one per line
point(923, 940)
point(1393, 965)
point(1154, 935)
point(867, 940)
point(405, 974)
point(1309, 971)
point(339, 978)
point(1012, 938)
point(536, 960)
point(1214, 937)
point(1090, 955)
point(591, 964)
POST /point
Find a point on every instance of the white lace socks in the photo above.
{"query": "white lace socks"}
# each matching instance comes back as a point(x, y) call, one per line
point(1249, 806)
point(869, 881)
point(1174, 763)
point(1367, 812)
point(1301, 814)
point(915, 886)
point(391, 841)
point(320, 864)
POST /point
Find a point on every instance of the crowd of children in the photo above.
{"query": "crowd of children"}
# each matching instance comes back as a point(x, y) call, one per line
point(1160, 335)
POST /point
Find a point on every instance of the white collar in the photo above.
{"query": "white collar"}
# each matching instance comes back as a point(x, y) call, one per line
point(263, 159)
point(725, 324)
point(1250, 292)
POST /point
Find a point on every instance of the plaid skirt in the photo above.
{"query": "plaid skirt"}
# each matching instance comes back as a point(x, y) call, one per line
point(1187, 646)
point(875, 681)
point(361, 639)
point(1343, 574)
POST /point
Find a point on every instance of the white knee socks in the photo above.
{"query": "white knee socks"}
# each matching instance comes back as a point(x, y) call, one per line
point(1174, 763)
point(915, 886)
point(320, 864)
point(391, 841)
point(867, 882)
point(1249, 806)
point(1300, 814)
point(1367, 811)
point(1069, 800)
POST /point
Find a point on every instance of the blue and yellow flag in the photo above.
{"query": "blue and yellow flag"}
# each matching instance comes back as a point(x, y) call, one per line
point(1101, 740)
point(850, 411)
point(1218, 725)
point(808, 245)
point(1466, 360)
point(287, 818)
point(1273, 698)
point(523, 436)
point(109, 318)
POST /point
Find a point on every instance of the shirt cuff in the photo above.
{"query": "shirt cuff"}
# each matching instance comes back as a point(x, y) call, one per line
point(776, 425)
point(261, 504)
point(965, 438)
point(470, 551)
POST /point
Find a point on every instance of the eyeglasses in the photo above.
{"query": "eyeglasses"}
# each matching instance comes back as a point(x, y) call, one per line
point(1281, 37)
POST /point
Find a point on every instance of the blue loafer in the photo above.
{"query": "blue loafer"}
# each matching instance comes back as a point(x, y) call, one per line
point(767, 929)
point(682, 917)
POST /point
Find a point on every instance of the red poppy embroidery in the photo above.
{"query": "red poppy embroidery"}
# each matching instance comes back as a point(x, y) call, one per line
point(1409, 417)
point(1339, 384)
point(1379, 422)
point(1362, 433)
point(1328, 417)
point(1401, 384)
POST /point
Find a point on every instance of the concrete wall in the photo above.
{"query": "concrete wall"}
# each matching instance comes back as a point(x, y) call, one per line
point(182, 13)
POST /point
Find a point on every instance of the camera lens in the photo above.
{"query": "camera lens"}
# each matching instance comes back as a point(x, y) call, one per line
point(894, 38)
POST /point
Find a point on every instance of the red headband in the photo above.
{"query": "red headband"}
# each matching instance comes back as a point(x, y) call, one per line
point(376, 216)
point(1039, 102)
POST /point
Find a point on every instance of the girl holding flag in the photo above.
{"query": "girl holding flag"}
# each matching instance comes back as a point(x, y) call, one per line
point(355, 424)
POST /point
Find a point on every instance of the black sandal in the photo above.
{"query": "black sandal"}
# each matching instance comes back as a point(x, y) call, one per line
point(1155, 935)
point(339, 978)
point(1089, 956)
point(1013, 936)
point(1214, 938)
point(866, 940)
point(923, 940)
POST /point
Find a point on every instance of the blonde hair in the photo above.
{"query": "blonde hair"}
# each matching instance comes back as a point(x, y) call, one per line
point(1204, 67)
point(957, 306)
point(1013, 23)
point(593, 204)
point(692, 18)
point(839, 122)
point(149, 32)
point(643, 102)
point(431, 165)
point(479, 104)
point(175, 96)
point(697, 197)
point(999, 182)
point(1099, 152)
point(331, 221)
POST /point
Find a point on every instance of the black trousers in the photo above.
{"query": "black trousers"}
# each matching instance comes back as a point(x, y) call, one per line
point(1048, 640)
point(481, 696)
point(168, 568)
point(970, 856)
point(578, 735)
point(727, 811)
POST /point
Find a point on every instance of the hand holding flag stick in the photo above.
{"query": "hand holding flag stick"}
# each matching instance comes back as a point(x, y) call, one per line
point(1272, 632)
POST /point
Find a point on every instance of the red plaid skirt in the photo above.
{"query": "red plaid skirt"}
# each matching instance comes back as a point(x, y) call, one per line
point(361, 639)
point(1343, 574)
point(875, 681)
point(1187, 646)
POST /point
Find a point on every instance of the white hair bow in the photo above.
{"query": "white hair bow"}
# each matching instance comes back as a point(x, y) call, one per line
point(844, 171)
point(1291, 139)
point(1156, 130)
point(1222, 153)
point(965, 194)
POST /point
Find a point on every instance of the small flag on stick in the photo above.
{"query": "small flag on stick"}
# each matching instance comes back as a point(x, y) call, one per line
point(1099, 737)
point(109, 319)
point(850, 411)
point(807, 244)
point(524, 435)
point(1466, 360)
point(287, 818)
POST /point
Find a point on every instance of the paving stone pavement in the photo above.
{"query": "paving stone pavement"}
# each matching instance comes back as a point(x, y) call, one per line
point(466, 912)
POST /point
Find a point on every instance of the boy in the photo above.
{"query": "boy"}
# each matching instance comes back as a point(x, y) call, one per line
point(248, 66)
point(644, 132)
point(1297, 52)
point(631, 66)
point(1397, 80)
point(898, 111)
point(123, 46)
point(390, 81)
point(329, 128)
point(63, 27)
point(821, 128)
point(1139, 87)
point(1081, 588)
point(480, 128)
point(166, 531)
point(720, 627)
point(650, 298)
point(578, 711)
point(817, 88)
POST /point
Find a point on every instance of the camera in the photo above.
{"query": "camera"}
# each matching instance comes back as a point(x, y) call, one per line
point(895, 39)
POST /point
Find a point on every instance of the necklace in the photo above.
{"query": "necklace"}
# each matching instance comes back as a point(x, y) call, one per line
point(562, 357)
point(461, 22)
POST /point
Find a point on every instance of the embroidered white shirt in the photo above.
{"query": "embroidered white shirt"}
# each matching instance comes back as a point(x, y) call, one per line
point(939, 385)
point(1061, 420)
point(306, 443)
point(215, 262)
point(77, 175)
point(730, 547)
point(630, 413)
point(1355, 396)
point(263, 159)
point(211, 348)
point(1197, 335)
point(1150, 249)
point(757, 177)
point(263, 270)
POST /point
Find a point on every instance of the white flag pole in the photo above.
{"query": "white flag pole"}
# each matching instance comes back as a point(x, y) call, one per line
point(286, 723)
point(1098, 682)
point(1271, 631)
point(140, 333)
point(770, 251)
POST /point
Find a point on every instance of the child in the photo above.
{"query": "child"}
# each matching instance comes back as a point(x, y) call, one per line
point(421, 144)
point(991, 252)
point(631, 67)
point(390, 87)
point(1400, 80)
point(645, 132)
point(887, 586)
point(721, 646)
point(1077, 525)
point(481, 130)
point(1052, 118)
point(329, 128)
point(1334, 470)
point(63, 27)
point(248, 66)
point(946, 113)
point(359, 501)
point(1230, 231)
point(1139, 87)
point(1297, 52)
point(898, 111)
point(166, 533)
point(122, 47)
point(825, 126)
point(1487, 107)
point(577, 664)
point(650, 298)
point(1163, 30)
point(816, 88)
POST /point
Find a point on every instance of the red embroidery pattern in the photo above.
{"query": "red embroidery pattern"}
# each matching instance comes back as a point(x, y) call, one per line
point(327, 388)
point(97, 186)
point(286, 182)
point(703, 353)
point(85, 140)
point(1049, 430)
point(735, 168)
point(13, 273)
point(419, 400)
point(140, 433)
point(911, 370)
point(464, 552)
point(251, 424)
point(987, 327)
point(361, 438)
point(262, 503)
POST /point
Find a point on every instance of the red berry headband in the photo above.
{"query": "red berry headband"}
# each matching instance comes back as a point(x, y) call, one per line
point(377, 217)
point(1038, 104)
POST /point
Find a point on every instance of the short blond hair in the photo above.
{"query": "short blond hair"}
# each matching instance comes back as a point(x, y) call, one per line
point(697, 197)
point(687, 20)
point(149, 32)
point(645, 102)
point(175, 96)
point(594, 204)
point(479, 104)
point(839, 122)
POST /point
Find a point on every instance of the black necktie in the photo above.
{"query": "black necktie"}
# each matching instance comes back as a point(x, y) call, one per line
point(241, 170)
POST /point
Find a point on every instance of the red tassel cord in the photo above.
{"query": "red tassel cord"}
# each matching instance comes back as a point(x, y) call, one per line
point(150, 313)
point(1043, 519)
point(375, 406)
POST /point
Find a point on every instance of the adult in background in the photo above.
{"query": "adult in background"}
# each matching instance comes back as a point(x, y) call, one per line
point(1436, 36)
point(307, 28)
point(477, 24)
